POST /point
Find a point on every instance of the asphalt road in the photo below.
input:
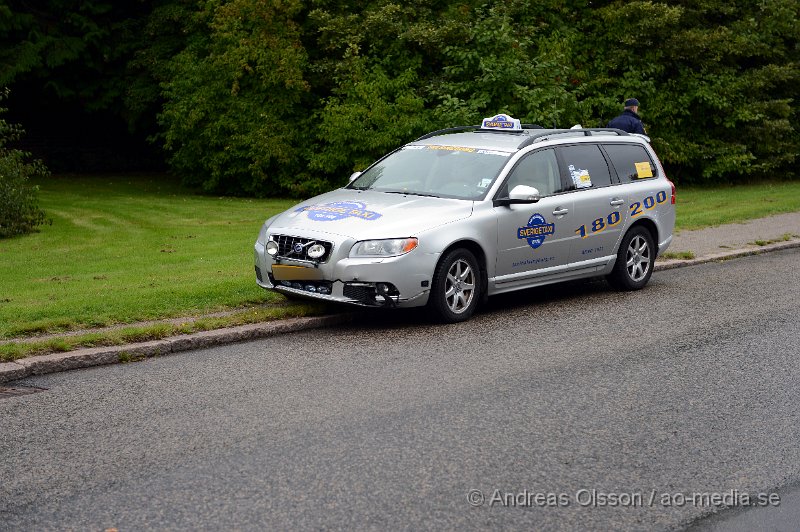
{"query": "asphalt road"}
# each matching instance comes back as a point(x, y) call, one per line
point(689, 386)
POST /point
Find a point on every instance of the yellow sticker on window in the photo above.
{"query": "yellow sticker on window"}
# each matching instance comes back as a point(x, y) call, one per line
point(643, 170)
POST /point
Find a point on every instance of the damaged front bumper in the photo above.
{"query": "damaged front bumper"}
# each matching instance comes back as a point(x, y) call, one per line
point(402, 281)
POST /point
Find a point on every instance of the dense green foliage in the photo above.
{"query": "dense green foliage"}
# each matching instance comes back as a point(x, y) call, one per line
point(232, 98)
point(19, 206)
point(718, 81)
point(289, 97)
point(79, 49)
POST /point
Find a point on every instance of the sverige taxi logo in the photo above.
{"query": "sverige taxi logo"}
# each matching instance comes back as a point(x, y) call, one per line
point(536, 231)
point(502, 122)
point(339, 210)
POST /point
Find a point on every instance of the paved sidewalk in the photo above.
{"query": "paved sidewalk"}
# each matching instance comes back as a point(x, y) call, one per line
point(714, 243)
point(703, 242)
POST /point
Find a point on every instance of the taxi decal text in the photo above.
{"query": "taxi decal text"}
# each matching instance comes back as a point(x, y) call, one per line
point(339, 210)
point(613, 219)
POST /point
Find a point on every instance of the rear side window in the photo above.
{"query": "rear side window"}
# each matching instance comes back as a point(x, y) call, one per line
point(631, 161)
point(586, 166)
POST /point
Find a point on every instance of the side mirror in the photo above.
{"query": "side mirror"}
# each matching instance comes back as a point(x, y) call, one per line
point(524, 194)
point(519, 194)
point(354, 176)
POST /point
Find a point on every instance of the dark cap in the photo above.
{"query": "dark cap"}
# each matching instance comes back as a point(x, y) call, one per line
point(631, 102)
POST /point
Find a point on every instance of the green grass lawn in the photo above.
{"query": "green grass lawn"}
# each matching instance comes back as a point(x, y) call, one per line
point(132, 248)
point(699, 207)
point(124, 249)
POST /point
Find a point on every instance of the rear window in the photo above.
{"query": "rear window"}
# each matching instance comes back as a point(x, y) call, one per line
point(631, 161)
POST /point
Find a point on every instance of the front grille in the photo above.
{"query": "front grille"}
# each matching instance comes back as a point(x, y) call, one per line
point(287, 244)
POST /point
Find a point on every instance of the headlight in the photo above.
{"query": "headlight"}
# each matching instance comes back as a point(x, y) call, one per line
point(391, 247)
point(272, 248)
point(316, 251)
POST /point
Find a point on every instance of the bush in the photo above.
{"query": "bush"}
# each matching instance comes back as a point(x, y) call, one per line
point(19, 206)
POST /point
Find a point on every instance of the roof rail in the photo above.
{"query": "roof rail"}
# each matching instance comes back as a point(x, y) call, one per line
point(477, 128)
point(588, 132)
point(447, 130)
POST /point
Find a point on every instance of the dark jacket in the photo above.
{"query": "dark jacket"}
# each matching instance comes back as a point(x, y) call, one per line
point(628, 121)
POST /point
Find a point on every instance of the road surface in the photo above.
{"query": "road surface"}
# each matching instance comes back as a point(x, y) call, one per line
point(569, 407)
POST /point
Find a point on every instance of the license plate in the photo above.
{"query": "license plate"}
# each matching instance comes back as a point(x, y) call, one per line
point(282, 272)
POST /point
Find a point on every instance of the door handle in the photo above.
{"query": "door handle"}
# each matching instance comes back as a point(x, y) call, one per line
point(616, 202)
point(560, 211)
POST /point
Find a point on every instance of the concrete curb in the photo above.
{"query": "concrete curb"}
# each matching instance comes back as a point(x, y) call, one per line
point(725, 255)
point(98, 356)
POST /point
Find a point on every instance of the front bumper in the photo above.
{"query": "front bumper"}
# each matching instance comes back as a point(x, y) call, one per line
point(402, 281)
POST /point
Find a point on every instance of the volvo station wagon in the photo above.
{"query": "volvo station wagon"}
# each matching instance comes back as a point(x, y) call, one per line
point(464, 213)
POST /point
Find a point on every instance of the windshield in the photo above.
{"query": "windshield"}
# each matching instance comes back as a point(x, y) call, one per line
point(439, 171)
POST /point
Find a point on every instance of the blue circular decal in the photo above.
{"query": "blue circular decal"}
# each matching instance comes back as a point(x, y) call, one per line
point(536, 231)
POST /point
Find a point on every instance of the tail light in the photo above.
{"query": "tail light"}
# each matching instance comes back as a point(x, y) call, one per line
point(673, 191)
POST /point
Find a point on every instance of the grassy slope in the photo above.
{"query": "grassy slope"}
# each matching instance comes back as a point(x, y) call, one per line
point(137, 248)
point(127, 249)
point(703, 207)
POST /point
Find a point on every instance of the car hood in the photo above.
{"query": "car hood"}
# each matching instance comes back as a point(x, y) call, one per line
point(365, 214)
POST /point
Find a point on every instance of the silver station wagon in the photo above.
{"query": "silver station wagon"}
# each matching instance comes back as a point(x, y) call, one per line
point(464, 213)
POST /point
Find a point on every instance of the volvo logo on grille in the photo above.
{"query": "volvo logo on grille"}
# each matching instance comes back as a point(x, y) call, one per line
point(298, 248)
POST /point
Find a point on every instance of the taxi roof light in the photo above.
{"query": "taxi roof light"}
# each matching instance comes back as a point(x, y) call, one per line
point(502, 122)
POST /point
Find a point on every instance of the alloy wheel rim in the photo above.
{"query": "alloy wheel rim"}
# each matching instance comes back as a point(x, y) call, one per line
point(459, 286)
point(638, 258)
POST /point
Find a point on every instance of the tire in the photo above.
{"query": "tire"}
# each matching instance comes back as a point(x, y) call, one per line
point(456, 288)
point(635, 258)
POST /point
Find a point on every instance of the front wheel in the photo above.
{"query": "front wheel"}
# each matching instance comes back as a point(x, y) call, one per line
point(456, 287)
point(635, 258)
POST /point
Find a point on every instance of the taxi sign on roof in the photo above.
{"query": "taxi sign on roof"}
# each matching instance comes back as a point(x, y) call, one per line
point(502, 122)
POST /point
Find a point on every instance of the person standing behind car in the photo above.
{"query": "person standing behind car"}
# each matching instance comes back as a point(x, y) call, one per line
point(629, 120)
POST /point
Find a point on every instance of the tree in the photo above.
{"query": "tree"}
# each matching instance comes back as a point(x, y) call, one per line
point(399, 70)
point(288, 97)
point(66, 63)
point(234, 118)
point(78, 49)
point(717, 80)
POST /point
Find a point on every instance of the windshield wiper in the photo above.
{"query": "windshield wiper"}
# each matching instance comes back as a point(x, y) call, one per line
point(410, 193)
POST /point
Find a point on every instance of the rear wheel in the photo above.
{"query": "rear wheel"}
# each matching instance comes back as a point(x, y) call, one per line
point(456, 287)
point(635, 259)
